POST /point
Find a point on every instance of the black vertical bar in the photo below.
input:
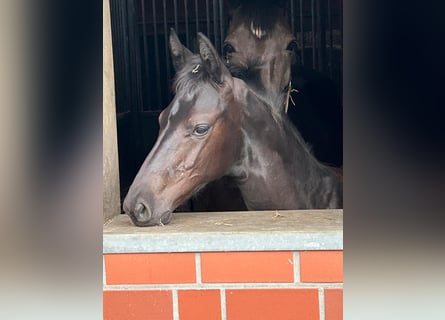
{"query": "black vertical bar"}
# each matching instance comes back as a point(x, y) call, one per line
point(321, 41)
point(144, 36)
point(208, 17)
point(302, 31)
point(126, 58)
point(331, 42)
point(215, 24)
point(318, 35)
point(134, 64)
point(314, 61)
point(175, 11)
point(221, 24)
point(292, 18)
point(341, 26)
point(158, 72)
point(167, 56)
point(118, 49)
point(187, 36)
point(196, 16)
point(341, 49)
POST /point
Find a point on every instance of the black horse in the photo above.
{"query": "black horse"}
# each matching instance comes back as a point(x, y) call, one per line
point(261, 49)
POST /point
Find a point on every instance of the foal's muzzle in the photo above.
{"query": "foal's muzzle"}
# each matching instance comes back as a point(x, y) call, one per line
point(142, 212)
point(141, 215)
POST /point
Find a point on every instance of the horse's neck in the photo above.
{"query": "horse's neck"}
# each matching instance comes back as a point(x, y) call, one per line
point(276, 101)
point(276, 169)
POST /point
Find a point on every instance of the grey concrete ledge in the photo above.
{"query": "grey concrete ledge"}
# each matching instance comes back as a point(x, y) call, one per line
point(229, 231)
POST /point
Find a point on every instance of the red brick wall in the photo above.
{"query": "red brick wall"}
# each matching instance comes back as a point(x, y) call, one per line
point(224, 285)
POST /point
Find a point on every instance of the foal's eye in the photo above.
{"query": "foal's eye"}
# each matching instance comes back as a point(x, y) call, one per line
point(227, 49)
point(292, 46)
point(201, 130)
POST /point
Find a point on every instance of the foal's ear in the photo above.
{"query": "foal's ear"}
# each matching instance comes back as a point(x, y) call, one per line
point(211, 59)
point(178, 52)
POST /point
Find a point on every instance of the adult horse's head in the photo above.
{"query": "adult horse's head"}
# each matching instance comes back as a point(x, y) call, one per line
point(260, 49)
point(196, 141)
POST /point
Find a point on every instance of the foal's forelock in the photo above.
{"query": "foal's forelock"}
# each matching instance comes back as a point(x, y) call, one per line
point(191, 76)
point(257, 31)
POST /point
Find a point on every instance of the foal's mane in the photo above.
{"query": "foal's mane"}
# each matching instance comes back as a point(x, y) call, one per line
point(192, 75)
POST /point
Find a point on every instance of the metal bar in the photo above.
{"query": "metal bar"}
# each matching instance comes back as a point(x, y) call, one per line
point(134, 58)
point(221, 24)
point(158, 72)
point(167, 56)
point(331, 39)
point(125, 58)
point(187, 36)
point(321, 40)
point(314, 57)
point(319, 31)
point(340, 80)
point(151, 113)
point(175, 11)
point(302, 31)
point(116, 27)
point(208, 17)
point(292, 18)
point(144, 36)
point(134, 64)
point(341, 27)
point(215, 24)
point(196, 16)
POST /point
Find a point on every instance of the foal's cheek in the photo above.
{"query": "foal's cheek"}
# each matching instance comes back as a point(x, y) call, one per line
point(224, 143)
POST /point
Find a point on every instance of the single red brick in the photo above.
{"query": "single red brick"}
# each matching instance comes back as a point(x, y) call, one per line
point(276, 266)
point(137, 305)
point(321, 266)
point(199, 304)
point(333, 303)
point(276, 304)
point(147, 268)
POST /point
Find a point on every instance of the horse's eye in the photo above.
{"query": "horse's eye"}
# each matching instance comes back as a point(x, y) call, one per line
point(292, 46)
point(227, 49)
point(201, 130)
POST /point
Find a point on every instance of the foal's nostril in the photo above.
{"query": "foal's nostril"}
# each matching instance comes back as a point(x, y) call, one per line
point(142, 212)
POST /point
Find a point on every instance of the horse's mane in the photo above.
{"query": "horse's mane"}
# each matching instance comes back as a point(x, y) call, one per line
point(285, 126)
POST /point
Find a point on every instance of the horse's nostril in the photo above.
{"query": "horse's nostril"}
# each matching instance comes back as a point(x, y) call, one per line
point(139, 208)
point(142, 212)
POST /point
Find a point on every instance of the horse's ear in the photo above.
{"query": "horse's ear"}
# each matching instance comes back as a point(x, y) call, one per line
point(211, 59)
point(179, 53)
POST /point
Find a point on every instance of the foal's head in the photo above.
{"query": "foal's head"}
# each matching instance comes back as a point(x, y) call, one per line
point(260, 49)
point(197, 138)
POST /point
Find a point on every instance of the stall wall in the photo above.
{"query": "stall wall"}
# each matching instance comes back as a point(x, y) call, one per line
point(224, 285)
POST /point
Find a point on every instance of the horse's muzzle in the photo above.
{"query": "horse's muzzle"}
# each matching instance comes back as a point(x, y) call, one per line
point(141, 215)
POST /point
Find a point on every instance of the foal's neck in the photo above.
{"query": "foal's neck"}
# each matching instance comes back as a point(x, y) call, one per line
point(276, 168)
